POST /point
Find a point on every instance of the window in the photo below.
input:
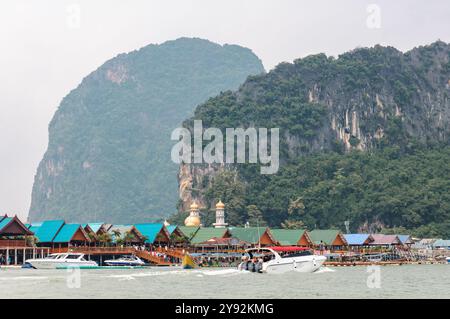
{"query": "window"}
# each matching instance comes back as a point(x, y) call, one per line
point(73, 257)
point(296, 254)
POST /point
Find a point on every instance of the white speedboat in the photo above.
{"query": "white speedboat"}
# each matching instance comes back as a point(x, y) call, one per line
point(448, 260)
point(125, 261)
point(284, 259)
point(65, 260)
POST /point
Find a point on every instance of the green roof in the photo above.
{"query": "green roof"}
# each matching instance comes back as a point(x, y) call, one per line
point(287, 237)
point(66, 233)
point(206, 233)
point(48, 230)
point(189, 232)
point(250, 234)
point(326, 236)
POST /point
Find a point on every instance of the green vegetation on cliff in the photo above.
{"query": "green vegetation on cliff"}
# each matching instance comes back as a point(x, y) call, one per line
point(374, 191)
point(108, 156)
point(364, 138)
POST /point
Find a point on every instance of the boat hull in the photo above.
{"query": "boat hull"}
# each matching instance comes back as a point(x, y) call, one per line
point(43, 264)
point(118, 263)
point(188, 262)
point(307, 264)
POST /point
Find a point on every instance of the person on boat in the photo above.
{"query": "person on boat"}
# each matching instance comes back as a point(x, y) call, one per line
point(245, 264)
point(258, 265)
point(252, 265)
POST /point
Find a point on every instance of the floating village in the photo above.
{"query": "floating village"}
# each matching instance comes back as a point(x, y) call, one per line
point(162, 244)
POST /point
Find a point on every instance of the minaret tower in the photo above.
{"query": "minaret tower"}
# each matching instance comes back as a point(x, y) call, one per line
point(220, 215)
point(193, 220)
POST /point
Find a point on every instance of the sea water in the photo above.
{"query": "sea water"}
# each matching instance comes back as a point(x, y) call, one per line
point(407, 281)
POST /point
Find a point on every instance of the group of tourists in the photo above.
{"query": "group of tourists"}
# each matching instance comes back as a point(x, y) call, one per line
point(228, 261)
point(251, 264)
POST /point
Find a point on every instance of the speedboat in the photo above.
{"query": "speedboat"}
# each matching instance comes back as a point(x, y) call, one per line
point(65, 260)
point(374, 257)
point(283, 259)
point(188, 262)
point(125, 261)
point(448, 260)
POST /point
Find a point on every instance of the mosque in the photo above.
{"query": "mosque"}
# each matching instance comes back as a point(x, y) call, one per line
point(193, 220)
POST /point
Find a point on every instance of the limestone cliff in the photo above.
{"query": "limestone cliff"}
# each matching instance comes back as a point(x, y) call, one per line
point(364, 100)
point(108, 157)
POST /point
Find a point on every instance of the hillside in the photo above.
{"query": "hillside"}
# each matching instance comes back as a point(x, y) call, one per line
point(364, 138)
point(108, 156)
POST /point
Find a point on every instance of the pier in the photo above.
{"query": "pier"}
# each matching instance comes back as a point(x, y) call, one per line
point(15, 254)
point(161, 244)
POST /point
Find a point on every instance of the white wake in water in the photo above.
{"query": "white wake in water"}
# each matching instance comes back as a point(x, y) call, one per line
point(20, 278)
point(196, 272)
point(324, 270)
point(221, 272)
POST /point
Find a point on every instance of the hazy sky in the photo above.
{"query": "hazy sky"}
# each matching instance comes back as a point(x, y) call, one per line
point(47, 48)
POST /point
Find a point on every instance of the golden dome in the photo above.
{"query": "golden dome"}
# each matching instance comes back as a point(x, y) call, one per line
point(220, 205)
point(194, 206)
point(192, 221)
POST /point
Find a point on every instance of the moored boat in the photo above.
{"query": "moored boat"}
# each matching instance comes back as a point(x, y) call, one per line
point(281, 259)
point(65, 260)
point(188, 262)
point(125, 261)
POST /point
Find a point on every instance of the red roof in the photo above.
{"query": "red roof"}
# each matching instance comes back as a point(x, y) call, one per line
point(288, 248)
point(380, 239)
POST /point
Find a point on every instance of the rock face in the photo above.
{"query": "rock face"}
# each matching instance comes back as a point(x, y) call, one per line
point(108, 156)
point(362, 100)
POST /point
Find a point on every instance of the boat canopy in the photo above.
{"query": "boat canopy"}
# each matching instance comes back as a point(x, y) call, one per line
point(288, 248)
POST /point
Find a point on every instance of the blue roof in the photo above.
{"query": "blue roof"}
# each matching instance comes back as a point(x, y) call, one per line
point(34, 225)
point(66, 233)
point(171, 228)
point(4, 222)
point(48, 230)
point(33, 228)
point(150, 231)
point(404, 238)
point(94, 226)
point(441, 243)
point(356, 239)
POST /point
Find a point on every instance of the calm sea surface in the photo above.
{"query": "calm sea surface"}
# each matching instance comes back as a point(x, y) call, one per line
point(412, 281)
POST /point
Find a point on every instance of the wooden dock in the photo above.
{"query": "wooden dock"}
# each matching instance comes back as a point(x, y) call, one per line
point(378, 263)
point(108, 251)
